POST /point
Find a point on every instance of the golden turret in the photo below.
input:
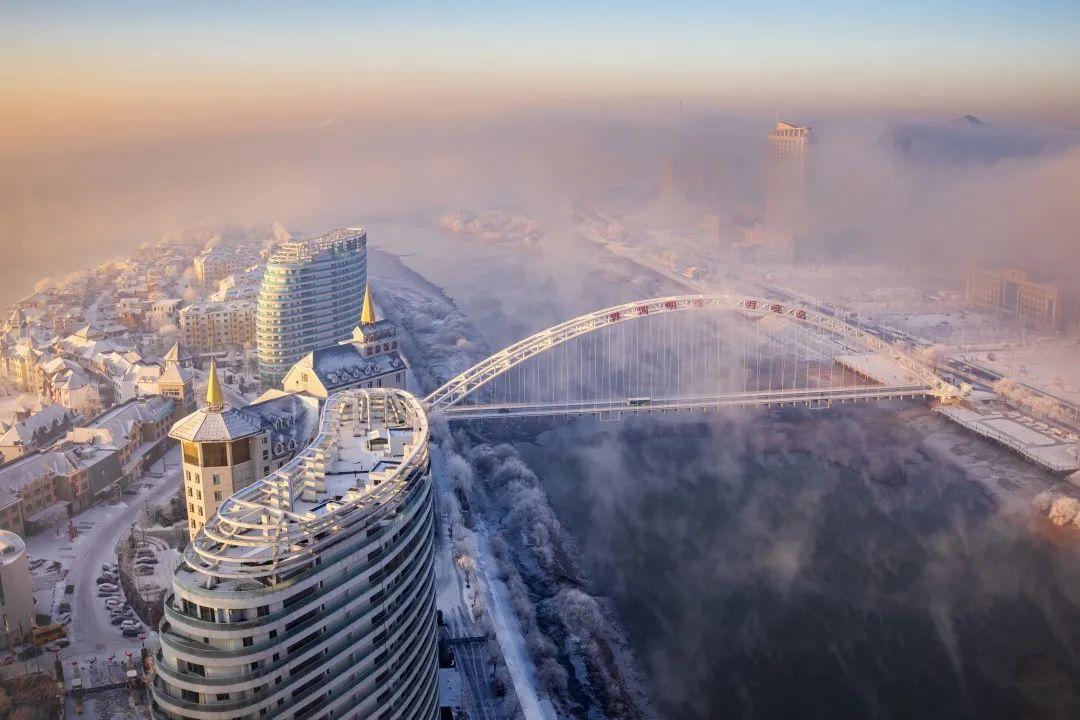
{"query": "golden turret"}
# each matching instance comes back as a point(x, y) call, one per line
point(214, 400)
point(367, 315)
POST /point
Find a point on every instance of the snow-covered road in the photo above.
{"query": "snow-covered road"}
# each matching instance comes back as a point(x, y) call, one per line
point(91, 631)
point(509, 635)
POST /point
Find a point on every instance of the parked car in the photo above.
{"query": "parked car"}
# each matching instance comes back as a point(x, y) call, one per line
point(31, 651)
point(107, 586)
point(130, 632)
point(116, 619)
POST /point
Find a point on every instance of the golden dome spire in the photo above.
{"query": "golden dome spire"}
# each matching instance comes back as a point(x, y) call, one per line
point(214, 401)
point(367, 315)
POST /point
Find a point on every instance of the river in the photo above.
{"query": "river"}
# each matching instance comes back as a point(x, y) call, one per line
point(775, 565)
point(759, 578)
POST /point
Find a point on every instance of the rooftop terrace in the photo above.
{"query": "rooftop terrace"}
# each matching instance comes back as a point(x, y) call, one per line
point(370, 445)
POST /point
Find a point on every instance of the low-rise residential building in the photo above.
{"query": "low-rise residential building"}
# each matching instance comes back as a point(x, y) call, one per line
point(215, 263)
point(66, 383)
point(1015, 293)
point(370, 359)
point(31, 429)
point(88, 464)
point(137, 429)
point(177, 382)
point(19, 363)
point(211, 326)
point(242, 285)
point(162, 312)
point(129, 374)
point(29, 485)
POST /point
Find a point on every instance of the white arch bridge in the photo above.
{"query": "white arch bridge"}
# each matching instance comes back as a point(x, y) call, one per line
point(688, 352)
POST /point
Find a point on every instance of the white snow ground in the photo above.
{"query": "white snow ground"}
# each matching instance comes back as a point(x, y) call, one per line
point(509, 635)
point(99, 529)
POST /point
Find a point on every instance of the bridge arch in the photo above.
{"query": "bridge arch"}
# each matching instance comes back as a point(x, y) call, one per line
point(482, 373)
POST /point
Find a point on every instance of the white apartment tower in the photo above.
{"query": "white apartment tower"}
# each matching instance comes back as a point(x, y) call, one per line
point(310, 593)
point(785, 189)
point(311, 295)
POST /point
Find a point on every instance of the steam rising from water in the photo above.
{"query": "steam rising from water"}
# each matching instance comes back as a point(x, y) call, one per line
point(815, 567)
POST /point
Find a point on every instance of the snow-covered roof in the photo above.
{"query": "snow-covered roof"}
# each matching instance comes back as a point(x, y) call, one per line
point(291, 419)
point(340, 365)
point(46, 419)
point(206, 426)
point(175, 373)
point(120, 420)
point(176, 353)
point(24, 470)
point(60, 364)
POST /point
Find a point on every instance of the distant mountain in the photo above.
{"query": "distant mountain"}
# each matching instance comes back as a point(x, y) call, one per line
point(969, 120)
point(970, 139)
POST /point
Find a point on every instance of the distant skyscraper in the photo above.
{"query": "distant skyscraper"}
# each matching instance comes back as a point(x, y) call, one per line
point(311, 297)
point(785, 189)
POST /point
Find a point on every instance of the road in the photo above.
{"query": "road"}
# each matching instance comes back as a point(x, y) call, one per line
point(473, 660)
point(90, 630)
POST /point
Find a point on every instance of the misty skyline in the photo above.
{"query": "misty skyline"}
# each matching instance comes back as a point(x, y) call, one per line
point(126, 121)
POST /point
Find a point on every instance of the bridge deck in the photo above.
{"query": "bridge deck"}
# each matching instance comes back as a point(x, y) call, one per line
point(765, 398)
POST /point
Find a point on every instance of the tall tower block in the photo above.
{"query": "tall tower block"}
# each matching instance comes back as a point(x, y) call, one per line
point(785, 189)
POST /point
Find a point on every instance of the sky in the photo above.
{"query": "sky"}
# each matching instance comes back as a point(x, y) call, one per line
point(76, 74)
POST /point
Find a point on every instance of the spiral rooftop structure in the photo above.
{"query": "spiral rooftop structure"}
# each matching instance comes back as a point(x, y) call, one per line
point(310, 594)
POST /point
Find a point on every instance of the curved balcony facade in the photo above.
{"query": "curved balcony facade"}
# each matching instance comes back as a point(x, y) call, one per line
point(311, 296)
point(310, 594)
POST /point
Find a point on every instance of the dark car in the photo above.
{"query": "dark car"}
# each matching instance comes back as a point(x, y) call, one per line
point(30, 652)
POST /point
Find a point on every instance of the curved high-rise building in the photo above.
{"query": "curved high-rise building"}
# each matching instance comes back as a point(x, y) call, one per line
point(311, 297)
point(310, 594)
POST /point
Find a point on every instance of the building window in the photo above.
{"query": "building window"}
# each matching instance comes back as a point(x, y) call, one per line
point(191, 452)
point(214, 455)
point(216, 480)
point(241, 451)
point(217, 496)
